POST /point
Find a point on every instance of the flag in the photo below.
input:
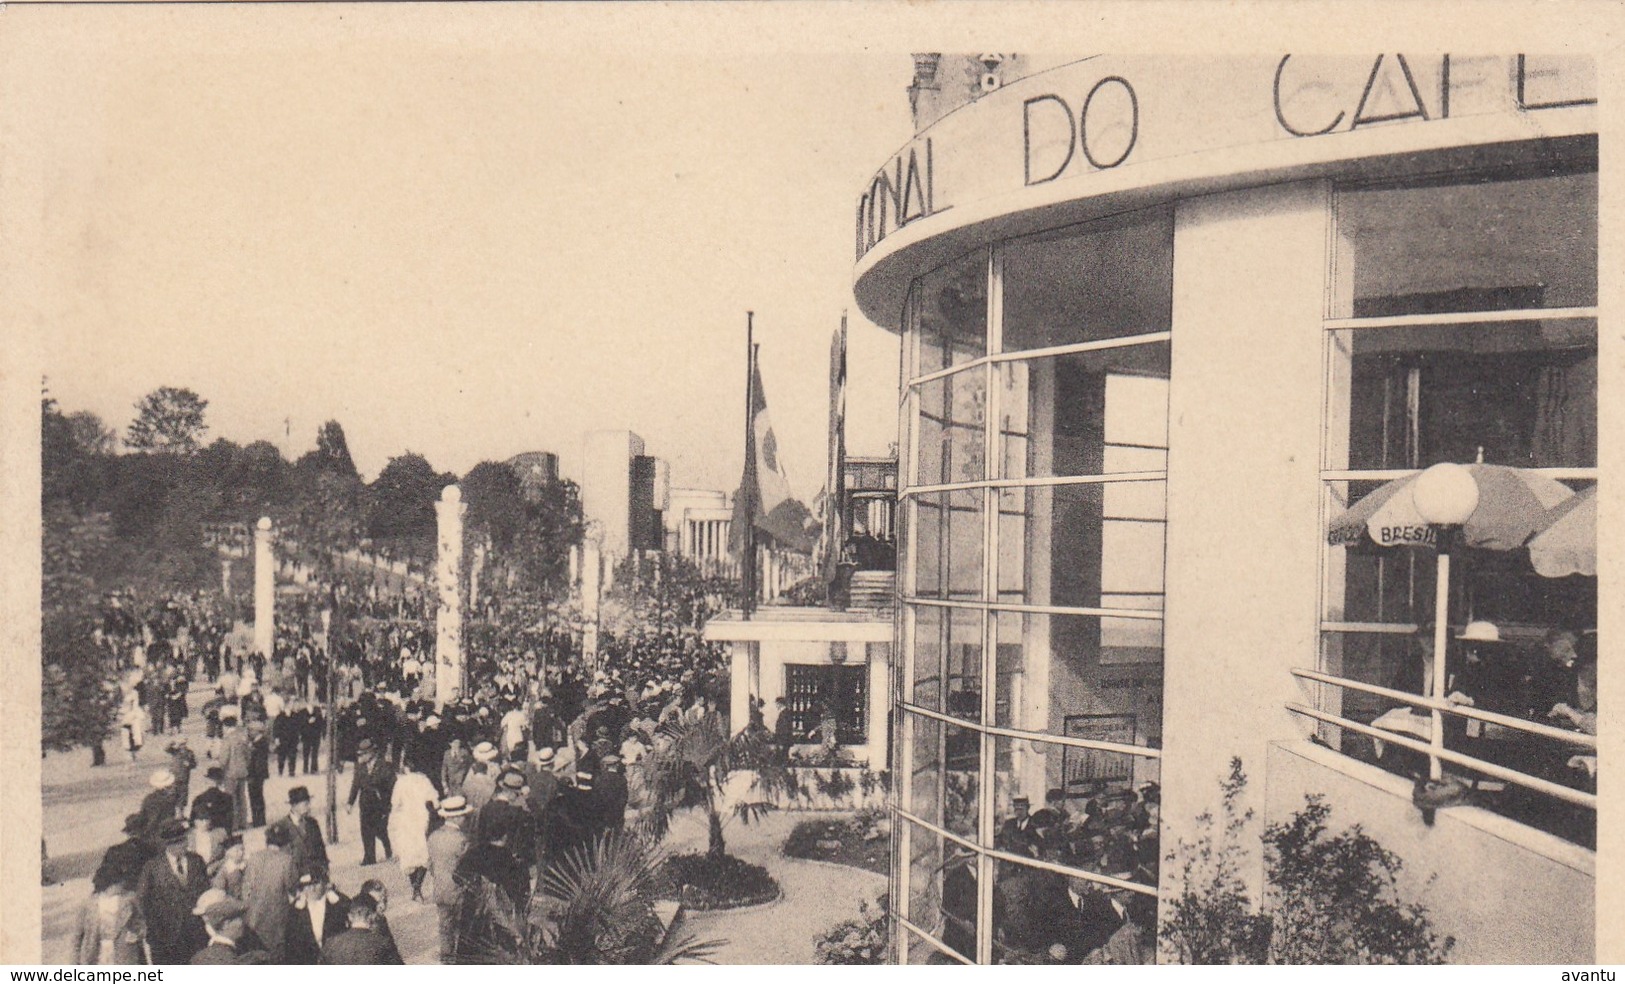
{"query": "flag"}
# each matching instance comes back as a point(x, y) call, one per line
point(764, 490)
point(830, 510)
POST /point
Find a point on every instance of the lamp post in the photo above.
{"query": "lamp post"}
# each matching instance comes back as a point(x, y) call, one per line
point(1446, 496)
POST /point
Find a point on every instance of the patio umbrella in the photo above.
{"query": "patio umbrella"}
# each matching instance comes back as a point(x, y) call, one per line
point(1513, 505)
point(1569, 544)
point(1500, 509)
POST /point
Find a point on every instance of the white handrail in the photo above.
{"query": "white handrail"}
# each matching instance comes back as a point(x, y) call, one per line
point(1432, 704)
point(1552, 789)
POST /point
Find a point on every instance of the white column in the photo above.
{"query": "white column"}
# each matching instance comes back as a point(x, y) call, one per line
point(1244, 489)
point(225, 576)
point(746, 673)
point(878, 655)
point(264, 589)
point(591, 567)
point(448, 678)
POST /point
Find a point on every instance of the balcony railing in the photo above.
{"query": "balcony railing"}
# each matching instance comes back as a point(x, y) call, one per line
point(1434, 748)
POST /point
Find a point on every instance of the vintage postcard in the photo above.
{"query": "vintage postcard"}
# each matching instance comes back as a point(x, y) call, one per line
point(658, 484)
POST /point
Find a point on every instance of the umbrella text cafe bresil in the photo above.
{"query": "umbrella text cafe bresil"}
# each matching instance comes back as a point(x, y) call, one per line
point(1513, 505)
point(1569, 545)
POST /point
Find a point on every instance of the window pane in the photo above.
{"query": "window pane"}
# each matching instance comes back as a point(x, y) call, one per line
point(947, 766)
point(927, 662)
point(1083, 808)
point(1097, 545)
point(1524, 393)
point(1527, 243)
point(964, 648)
point(929, 530)
point(953, 414)
point(1045, 917)
point(949, 544)
point(942, 894)
point(1061, 672)
point(1107, 281)
point(925, 783)
point(950, 313)
point(1088, 413)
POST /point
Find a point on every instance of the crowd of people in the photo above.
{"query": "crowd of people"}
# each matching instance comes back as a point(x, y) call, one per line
point(473, 796)
point(1041, 916)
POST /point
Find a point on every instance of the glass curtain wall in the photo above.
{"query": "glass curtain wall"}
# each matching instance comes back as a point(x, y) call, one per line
point(1463, 328)
point(1034, 424)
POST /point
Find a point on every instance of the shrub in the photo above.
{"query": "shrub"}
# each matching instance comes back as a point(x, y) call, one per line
point(709, 881)
point(856, 941)
point(1329, 899)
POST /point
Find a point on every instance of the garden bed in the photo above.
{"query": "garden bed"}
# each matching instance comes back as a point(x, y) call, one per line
point(859, 841)
point(704, 883)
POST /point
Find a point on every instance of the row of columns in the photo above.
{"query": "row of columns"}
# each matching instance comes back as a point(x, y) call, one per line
point(449, 514)
point(705, 539)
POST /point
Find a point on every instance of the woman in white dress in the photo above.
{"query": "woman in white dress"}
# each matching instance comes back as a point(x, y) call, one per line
point(409, 811)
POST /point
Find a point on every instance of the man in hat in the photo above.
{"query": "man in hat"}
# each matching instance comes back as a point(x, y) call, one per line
point(167, 890)
point(131, 853)
point(1017, 829)
point(159, 804)
point(361, 943)
point(320, 913)
point(304, 834)
point(270, 880)
point(493, 861)
point(454, 766)
point(312, 726)
point(235, 753)
point(214, 803)
point(446, 849)
point(259, 768)
point(373, 787)
point(182, 760)
point(507, 810)
point(481, 782)
point(224, 924)
point(427, 749)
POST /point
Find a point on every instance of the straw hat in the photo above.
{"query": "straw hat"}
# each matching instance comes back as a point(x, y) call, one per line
point(454, 806)
point(1480, 631)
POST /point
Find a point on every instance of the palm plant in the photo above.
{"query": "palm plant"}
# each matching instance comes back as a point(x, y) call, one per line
point(595, 905)
point(691, 768)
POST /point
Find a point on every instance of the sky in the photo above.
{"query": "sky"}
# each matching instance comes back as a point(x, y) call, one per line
point(466, 244)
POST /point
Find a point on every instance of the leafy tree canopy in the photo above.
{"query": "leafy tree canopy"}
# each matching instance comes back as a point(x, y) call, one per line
point(170, 420)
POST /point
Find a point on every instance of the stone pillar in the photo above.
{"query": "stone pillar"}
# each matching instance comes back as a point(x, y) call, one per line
point(448, 677)
point(264, 589)
point(575, 566)
point(591, 570)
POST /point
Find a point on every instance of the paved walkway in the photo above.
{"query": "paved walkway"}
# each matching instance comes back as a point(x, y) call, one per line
point(85, 807)
point(84, 810)
point(815, 898)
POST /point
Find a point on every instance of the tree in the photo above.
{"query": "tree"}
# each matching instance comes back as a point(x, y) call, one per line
point(78, 695)
point(169, 420)
point(400, 501)
point(695, 770)
point(331, 455)
point(496, 504)
point(594, 906)
point(90, 434)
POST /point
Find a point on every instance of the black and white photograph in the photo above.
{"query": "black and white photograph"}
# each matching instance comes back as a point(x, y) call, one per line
point(522, 484)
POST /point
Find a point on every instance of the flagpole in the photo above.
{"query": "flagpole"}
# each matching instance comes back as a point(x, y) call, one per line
point(747, 557)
